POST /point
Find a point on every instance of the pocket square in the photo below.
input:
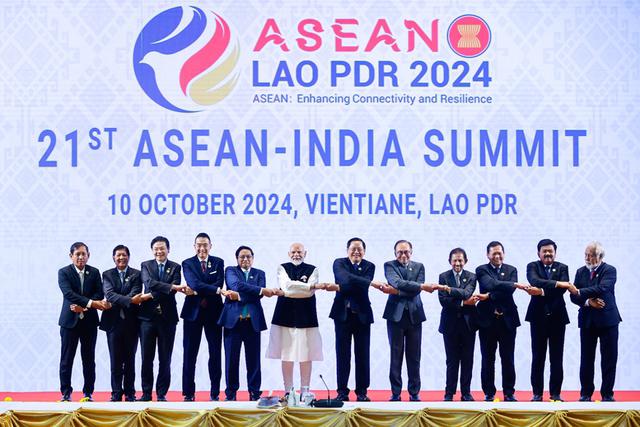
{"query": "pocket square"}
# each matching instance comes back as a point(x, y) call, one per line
point(214, 272)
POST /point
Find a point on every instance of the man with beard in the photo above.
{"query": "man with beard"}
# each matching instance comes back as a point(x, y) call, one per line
point(598, 319)
point(295, 336)
point(547, 315)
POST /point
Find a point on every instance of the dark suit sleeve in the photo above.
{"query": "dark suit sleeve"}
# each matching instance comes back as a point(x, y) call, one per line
point(406, 287)
point(136, 284)
point(156, 287)
point(605, 284)
point(534, 278)
point(498, 289)
point(247, 291)
point(98, 293)
point(112, 296)
point(349, 282)
point(192, 277)
point(466, 291)
point(580, 299)
point(65, 286)
point(412, 292)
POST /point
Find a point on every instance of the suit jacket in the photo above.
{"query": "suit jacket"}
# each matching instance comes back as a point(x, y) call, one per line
point(552, 302)
point(163, 296)
point(407, 281)
point(354, 290)
point(119, 295)
point(69, 282)
point(501, 289)
point(451, 302)
point(249, 290)
point(207, 284)
point(602, 286)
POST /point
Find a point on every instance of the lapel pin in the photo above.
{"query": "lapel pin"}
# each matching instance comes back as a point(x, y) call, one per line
point(464, 280)
point(168, 270)
point(209, 264)
point(126, 279)
point(86, 272)
point(502, 274)
point(250, 277)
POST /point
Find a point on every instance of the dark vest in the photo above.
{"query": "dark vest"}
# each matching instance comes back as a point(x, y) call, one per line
point(296, 312)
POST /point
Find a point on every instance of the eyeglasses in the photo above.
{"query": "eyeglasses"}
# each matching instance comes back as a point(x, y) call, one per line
point(398, 253)
point(245, 256)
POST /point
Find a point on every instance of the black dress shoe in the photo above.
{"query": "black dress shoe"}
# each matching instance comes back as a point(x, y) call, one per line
point(115, 397)
point(395, 398)
point(162, 399)
point(214, 397)
point(489, 397)
point(342, 397)
point(556, 398)
point(230, 398)
point(189, 399)
point(130, 398)
point(448, 398)
point(65, 398)
point(145, 398)
point(537, 398)
point(608, 399)
point(510, 398)
point(253, 397)
point(467, 398)
point(363, 398)
point(584, 399)
point(414, 398)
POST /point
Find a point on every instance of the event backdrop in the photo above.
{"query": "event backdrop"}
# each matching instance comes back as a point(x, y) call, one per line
point(262, 123)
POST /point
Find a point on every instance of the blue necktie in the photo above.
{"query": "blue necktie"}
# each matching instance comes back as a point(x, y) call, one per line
point(122, 278)
point(548, 270)
point(161, 272)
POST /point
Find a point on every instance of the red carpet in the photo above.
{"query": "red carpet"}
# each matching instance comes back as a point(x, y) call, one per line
point(375, 395)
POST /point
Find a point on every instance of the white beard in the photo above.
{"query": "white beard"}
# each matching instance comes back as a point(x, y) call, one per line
point(297, 262)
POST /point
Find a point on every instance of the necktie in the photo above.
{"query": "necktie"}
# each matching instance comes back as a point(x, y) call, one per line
point(547, 269)
point(593, 274)
point(458, 280)
point(245, 308)
point(122, 278)
point(203, 266)
point(355, 267)
point(161, 272)
point(81, 274)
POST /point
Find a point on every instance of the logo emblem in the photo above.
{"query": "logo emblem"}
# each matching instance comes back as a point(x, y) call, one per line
point(469, 36)
point(185, 59)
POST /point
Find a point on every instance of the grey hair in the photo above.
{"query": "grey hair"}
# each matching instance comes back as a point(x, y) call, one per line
point(598, 248)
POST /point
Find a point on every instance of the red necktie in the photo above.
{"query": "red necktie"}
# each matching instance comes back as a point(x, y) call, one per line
point(593, 274)
point(203, 265)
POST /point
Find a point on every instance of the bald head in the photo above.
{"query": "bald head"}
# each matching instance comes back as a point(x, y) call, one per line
point(297, 253)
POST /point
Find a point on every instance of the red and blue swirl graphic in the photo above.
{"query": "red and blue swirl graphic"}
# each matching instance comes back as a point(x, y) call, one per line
point(185, 59)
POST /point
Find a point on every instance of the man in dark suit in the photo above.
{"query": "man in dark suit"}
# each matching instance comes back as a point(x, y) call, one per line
point(82, 296)
point(498, 319)
point(404, 314)
point(458, 324)
point(158, 317)
point(547, 315)
point(123, 289)
point(352, 316)
point(204, 275)
point(243, 320)
point(598, 319)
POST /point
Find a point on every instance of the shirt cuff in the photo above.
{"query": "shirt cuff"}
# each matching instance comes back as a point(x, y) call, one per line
point(89, 303)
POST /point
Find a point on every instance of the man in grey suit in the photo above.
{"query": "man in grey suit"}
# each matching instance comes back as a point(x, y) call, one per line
point(404, 314)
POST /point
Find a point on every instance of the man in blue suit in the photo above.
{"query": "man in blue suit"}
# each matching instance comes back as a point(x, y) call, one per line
point(158, 317)
point(404, 314)
point(123, 289)
point(352, 316)
point(243, 320)
point(204, 275)
point(82, 296)
point(598, 319)
point(458, 324)
point(547, 315)
point(498, 319)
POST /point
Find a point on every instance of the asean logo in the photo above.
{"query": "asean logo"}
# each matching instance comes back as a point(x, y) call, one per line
point(469, 36)
point(185, 59)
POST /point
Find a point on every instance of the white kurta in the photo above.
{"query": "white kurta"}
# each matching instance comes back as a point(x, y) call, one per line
point(295, 344)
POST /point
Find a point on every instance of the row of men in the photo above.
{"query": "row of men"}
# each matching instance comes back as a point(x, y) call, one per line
point(141, 305)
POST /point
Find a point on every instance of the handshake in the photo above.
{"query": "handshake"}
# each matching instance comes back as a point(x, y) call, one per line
point(98, 305)
point(535, 291)
point(427, 287)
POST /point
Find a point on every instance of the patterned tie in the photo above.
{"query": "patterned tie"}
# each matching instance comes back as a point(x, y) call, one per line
point(81, 274)
point(122, 278)
point(245, 308)
point(161, 272)
point(203, 266)
point(593, 274)
point(547, 269)
point(458, 280)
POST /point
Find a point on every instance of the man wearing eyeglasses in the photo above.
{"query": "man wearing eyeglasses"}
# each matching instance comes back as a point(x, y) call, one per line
point(352, 316)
